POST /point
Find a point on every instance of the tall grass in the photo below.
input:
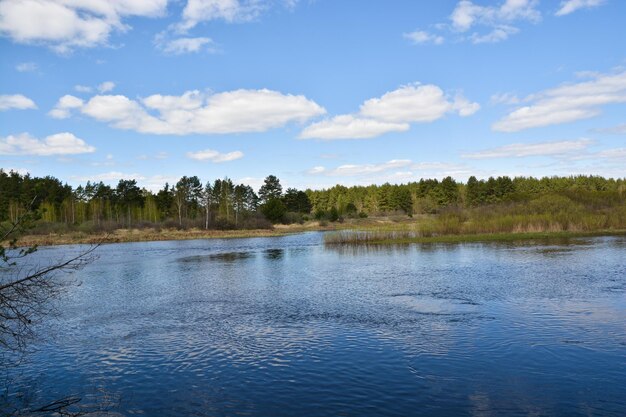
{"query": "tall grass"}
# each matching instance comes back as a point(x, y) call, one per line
point(546, 214)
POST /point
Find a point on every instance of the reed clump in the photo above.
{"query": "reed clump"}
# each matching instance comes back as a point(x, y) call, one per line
point(547, 214)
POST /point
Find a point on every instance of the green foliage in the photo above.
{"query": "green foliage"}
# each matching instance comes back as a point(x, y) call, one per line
point(271, 189)
point(274, 210)
point(296, 201)
point(333, 214)
point(495, 203)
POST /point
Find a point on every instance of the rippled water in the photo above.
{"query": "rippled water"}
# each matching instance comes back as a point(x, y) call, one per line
point(288, 327)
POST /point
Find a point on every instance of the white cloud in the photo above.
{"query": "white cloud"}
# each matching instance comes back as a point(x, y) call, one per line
point(16, 101)
point(504, 98)
point(21, 171)
point(467, 14)
point(153, 183)
point(498, 34)
point(106, 86)
point(231, 11)
point(497, 19)
point(109, 177)
point(158, 155)
point(214, 156)
point(63, 108)
point(350, 127)
point(566, 103)
point(26, 67)
point(198, 113)
point(615, 130)
point(422, 37)
point(316, 170)
point(521, 150)
point(254, 182)
point(365, 169)
point(83, 88)
point(197, 11)
point(415, 104)
point(570, 6)
point(186, 45)
point(392, 112)
point(617, 153)
point(68, 24)
point(59, 144)
point(394, 171)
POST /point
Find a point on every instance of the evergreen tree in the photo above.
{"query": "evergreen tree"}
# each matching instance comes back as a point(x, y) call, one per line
point(271, 189)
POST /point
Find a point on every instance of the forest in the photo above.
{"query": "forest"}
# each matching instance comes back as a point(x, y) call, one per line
point(490, 205)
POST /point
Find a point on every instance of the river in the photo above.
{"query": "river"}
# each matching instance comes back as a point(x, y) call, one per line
point(290, 327)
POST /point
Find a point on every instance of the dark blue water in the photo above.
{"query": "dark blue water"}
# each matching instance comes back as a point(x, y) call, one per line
point(289, 327)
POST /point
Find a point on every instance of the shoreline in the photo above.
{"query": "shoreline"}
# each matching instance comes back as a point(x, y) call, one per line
point(480, 237)
point(152, 235)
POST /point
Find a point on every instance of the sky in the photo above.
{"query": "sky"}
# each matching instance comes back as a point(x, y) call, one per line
point(316, 92)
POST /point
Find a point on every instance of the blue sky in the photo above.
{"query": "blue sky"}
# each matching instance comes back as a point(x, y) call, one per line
point(316, 92)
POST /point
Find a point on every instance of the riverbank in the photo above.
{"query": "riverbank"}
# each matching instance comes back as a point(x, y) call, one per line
point(379, 230)
point(148, 235)
point(371, 237)
point(151, 234)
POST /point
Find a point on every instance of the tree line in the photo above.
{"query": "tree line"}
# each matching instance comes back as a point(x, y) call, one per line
point(223, 204)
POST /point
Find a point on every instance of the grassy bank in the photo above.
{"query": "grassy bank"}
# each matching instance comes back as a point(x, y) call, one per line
point(544, 217)
point(374, 237)
point(147, 235)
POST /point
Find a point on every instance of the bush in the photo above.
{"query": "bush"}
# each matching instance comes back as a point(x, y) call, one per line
point(333, 214)
point(274, 210)
point(292, 217)
point(319, 214)
point(255, 223)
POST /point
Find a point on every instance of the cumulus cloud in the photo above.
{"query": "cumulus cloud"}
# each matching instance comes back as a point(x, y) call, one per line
point(214, 156)
point(567, 103)
point(68, 24)
point(570, 6)
point(498, 34)
point(106, 86)
point(83, 88)
point(423, 37)
point(467, 14)
point(26, 67)
point(16, 101)
point(497, 20)
point(521, 150)
point(59, 144)
point(197, 113)
point(63, 108)
point(350, 127)
point(415, 104)
point(392, 112)
point(186, 45)
point(231, 11)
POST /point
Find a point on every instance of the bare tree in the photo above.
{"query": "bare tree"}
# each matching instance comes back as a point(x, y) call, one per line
point(26, 288)
point(26, 291)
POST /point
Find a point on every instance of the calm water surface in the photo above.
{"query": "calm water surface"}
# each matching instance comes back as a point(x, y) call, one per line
point(288, 327)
